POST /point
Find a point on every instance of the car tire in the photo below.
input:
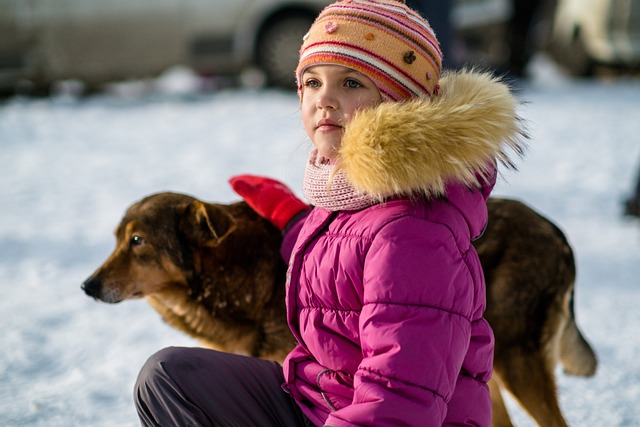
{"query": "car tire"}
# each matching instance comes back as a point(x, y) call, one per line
point(278, 46)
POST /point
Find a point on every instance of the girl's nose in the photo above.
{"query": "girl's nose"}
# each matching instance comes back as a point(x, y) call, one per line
point(326, 100)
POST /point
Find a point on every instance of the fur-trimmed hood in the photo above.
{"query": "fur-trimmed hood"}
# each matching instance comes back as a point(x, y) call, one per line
point(416, 147)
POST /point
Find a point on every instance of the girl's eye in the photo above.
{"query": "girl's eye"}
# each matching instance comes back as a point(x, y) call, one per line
point(312, 83)
point(136, 240)
point(353, 84)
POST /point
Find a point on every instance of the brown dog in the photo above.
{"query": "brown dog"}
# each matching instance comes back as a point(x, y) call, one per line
point(214, 271)
point(530, 274)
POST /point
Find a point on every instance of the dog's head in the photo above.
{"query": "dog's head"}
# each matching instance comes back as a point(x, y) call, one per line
point(151, 253)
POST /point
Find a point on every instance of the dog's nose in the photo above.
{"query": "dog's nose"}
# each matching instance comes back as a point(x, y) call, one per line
point(91, 287)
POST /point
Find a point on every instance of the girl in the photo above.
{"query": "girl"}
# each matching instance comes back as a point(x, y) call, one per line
point(385, 292)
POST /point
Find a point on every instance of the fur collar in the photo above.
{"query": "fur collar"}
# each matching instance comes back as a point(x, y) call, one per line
point(415, 147)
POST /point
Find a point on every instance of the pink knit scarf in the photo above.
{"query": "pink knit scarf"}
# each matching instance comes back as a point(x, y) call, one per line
point(331, 191)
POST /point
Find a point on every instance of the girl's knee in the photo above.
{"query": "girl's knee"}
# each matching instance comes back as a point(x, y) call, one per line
point(157, 392)
point(166, 356)
point(156, 366)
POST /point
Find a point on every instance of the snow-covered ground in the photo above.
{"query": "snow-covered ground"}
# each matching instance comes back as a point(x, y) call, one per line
point(69, 168)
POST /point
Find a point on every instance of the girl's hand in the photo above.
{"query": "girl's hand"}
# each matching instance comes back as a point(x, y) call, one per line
point(271, 199)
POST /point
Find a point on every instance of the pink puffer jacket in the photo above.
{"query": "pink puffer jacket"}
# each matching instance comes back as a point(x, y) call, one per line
point(386, 303)
point(387, 306)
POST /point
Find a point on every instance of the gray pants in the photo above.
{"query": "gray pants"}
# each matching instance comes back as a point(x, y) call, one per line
point(201, 387)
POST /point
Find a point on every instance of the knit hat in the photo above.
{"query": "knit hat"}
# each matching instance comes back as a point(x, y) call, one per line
point(383, 39)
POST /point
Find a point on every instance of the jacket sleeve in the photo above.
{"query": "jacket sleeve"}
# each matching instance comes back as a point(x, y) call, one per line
point(415, 327)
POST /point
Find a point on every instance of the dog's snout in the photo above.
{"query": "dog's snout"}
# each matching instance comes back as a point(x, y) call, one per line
point(91, 287)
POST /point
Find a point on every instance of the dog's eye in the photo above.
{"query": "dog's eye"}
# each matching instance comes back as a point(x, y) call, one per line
point(136, 240)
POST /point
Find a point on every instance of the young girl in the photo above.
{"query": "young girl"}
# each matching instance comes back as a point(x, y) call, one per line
point(385, 292)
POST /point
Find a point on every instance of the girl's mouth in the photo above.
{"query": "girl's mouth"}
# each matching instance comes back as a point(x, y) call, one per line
point(326, 125)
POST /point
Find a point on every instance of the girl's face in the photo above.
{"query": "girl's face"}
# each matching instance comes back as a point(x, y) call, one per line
point(331, 94)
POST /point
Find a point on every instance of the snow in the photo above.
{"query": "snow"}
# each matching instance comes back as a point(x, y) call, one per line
point(69, 168)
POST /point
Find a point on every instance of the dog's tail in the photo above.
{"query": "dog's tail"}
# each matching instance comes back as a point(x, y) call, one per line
point(576, 355)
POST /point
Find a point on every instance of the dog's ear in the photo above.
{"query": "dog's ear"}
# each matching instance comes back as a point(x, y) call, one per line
point(206, 224)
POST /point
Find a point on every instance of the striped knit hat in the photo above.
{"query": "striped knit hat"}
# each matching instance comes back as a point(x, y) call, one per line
point(383, 39)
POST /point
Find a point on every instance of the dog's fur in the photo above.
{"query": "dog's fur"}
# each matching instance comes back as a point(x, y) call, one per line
point(214, 271)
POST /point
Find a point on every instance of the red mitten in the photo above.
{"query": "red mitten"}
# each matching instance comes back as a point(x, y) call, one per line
point(271, 199)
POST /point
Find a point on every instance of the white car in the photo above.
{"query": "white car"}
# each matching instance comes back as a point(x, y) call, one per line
point(587, 33)
point(101, 41)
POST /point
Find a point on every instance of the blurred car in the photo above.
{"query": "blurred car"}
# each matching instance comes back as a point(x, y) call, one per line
point(588, 33)
point(43, 41)
point(101, 41)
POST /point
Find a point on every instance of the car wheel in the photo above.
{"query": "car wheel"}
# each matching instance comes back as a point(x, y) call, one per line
point(278, 46)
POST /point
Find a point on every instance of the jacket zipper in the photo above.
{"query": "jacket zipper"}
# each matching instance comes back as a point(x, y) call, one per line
point(322, 393)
